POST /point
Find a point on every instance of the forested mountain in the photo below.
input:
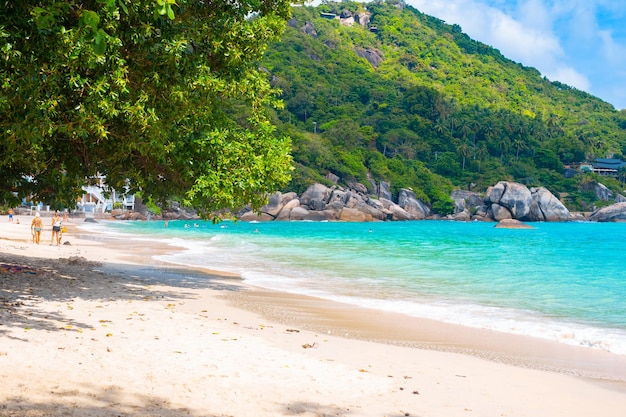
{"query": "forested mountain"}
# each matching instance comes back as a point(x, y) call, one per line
point(382, 90)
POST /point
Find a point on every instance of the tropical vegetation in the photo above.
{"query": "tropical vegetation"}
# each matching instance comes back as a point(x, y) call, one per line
point(403, 97)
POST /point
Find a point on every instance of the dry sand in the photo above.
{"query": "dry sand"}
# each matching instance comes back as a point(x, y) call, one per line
point(97, 328)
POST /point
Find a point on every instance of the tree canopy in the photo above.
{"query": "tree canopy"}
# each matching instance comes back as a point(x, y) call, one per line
point(160, 96)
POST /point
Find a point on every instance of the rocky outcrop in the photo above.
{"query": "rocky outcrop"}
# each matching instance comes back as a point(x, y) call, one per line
point(346, 18)
point(545, 207)
point(613, 213)
point(510, 200)
point(309, 29)
point(602, 192)
point(352, 204)
point(358, 203)
point(363, 18)
point(512, 224)
point(468, 205)
point(372, 55)
point(382, 189)
point(414, 207)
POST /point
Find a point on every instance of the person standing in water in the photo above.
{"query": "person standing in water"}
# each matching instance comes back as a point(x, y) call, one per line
point(35, 227)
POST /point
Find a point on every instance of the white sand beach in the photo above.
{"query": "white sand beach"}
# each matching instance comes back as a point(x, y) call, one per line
point(100, 329)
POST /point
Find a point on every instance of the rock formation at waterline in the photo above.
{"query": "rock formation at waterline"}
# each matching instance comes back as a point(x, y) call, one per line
point(613, 213)
point(505, 200)
point(353, 204)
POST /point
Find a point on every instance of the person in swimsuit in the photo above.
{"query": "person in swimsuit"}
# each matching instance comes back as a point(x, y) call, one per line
point(36, 226)
point(56, 229)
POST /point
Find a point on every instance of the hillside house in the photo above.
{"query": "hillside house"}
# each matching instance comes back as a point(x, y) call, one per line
point(607, 167)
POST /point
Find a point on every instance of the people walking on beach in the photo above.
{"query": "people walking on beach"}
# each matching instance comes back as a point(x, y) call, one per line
point(56, 229)
point(11, 213)
point(35, 227)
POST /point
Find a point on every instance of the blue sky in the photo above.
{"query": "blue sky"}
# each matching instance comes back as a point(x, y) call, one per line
point(581, 43)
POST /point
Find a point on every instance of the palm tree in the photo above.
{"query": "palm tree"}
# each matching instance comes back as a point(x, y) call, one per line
point(503, 144)
point(481, 154)
point(465, 151)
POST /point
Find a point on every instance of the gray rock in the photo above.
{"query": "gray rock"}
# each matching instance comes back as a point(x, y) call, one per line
point(465, 200)
point(309, 29)
point(482, 213)
point(462, 216)
point(372, 55)
point(298, 213)
point(397, 212)
point(363, 18)
point(358, 187)
point(516, 198)
point(545, 207)
point(512, 224)
point(316, 197)
point(274, 204)
point(332, 177)
point(409, 202)
point(499, 213)
point(602, 192)
point(384, 190)
point(613, 213)
point(251, 216)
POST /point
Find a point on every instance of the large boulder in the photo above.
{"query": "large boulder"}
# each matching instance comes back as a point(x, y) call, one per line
point(602, 192)
point(358, 187)
point(545, 207)
point(409, 202)
point(252, 216)
point(613, 213)
point(510, 196)
point(482, 214)
point(465, 200)
point(499, 213)
point(316, 197)
point(383, 213)
point(396, 212)
point(382, 189)
point(512, 224)
point(370, 211)
point(353, 215)
point(285, 213)
point(363, 18)
point(274, 204)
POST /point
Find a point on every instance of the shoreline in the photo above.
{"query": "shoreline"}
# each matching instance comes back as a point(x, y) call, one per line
point(371, 355)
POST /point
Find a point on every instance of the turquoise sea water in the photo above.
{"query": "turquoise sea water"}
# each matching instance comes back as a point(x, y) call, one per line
point(559, 281)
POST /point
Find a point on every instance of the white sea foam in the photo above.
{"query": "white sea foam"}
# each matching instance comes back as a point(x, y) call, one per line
point(519, 322)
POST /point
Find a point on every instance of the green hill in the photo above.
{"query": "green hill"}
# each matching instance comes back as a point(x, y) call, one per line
point(383, 91)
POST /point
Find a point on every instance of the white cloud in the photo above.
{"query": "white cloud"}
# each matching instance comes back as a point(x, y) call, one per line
point(612, 51)
point(535, 14)
point(571, 77)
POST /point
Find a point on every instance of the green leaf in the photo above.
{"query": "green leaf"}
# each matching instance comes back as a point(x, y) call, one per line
point(100, 43)
point(90, 19)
